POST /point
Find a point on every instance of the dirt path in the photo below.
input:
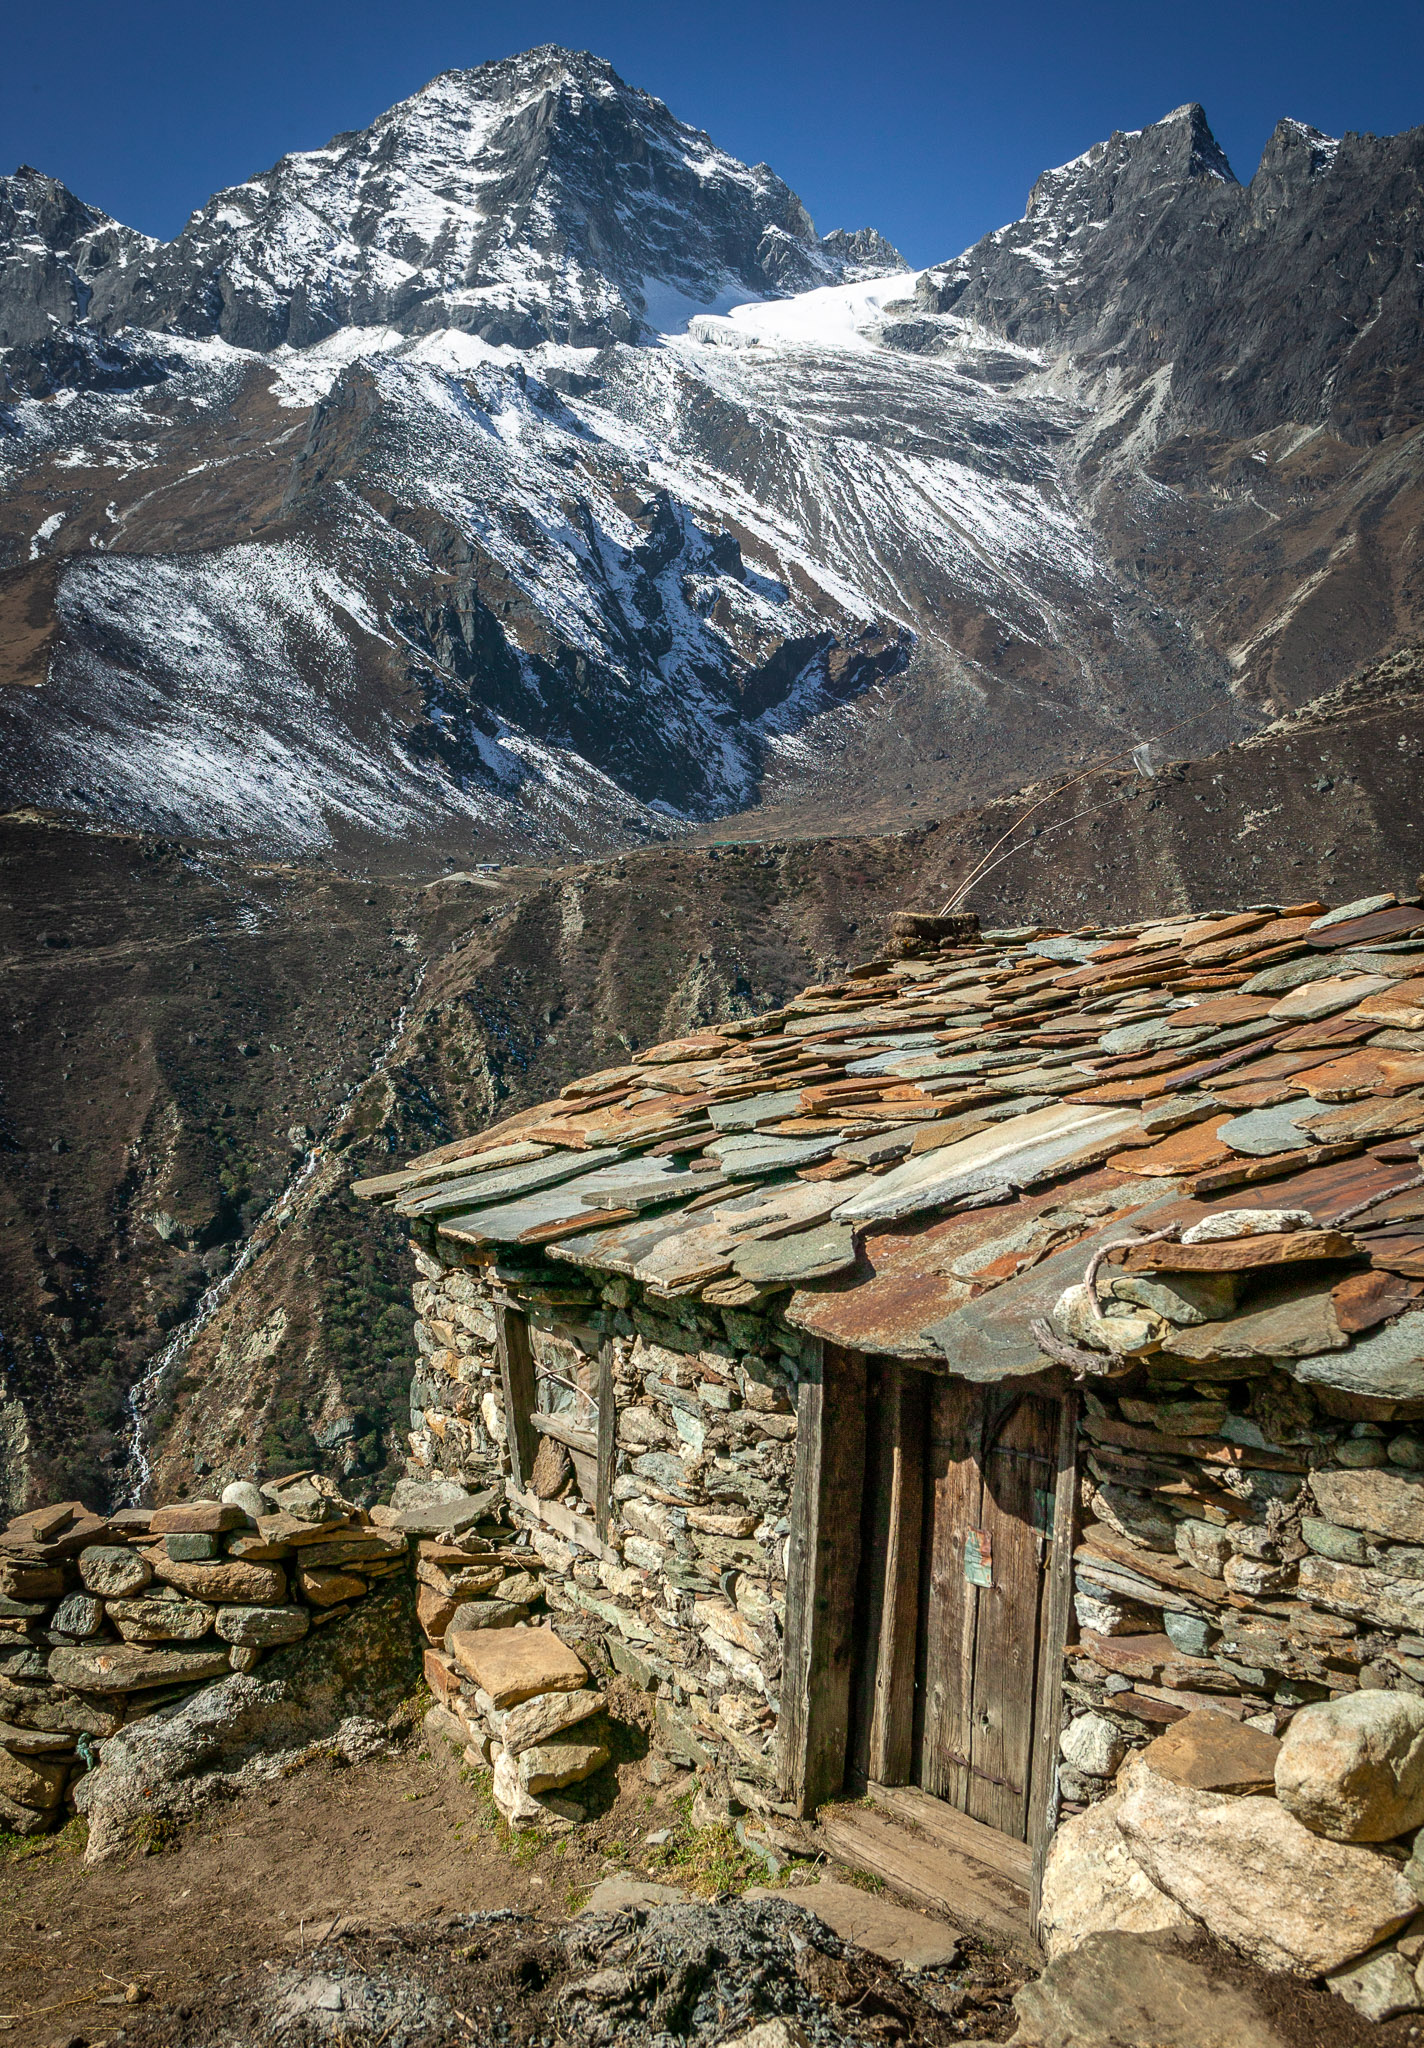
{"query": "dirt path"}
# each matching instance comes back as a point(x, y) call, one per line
point(207, 1924)
point(395, 1840)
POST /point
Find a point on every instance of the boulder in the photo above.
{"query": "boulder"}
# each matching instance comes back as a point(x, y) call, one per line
point(434, 1611)
point(1365, 1595)
point(329, 1588)
point(1202, 1545)
point(112, 1570)
point(1353, 1768)
point(1329, 1539)
point(517, 1805)
point(477, 1614)
point(1138, 1991)
point(520, 1589)
point(1091, 1883)
point(79, 1614)
point(545, 1715)
point(33, 1781)
point(1094, 1745)
point(16, 1819)
point(309, 1496)
point(1257, 1879)
point(245, 1494)
point(1385, 1503)
point(124, 1667)
point(337, 1686)
point(1214, 1753)
point(560, 1760)
point(1379, 1987)
point(197, 1518)
point(232, 1580)
point(160, 1621)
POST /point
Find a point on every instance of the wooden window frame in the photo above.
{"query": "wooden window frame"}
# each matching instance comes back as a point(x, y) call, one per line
point(524, 1423)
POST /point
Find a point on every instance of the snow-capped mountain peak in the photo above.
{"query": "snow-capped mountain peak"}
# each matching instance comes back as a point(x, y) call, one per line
point(532, 199)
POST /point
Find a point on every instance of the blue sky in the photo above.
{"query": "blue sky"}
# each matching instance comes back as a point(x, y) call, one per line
point(928, 122)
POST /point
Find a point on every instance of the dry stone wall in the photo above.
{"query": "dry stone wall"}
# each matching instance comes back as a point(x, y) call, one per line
point(106, 1621)
point(686, 1594)
point(1243, 1739)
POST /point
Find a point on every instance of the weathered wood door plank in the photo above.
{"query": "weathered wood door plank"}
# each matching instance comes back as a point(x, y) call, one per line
point(1018, 1467)
point(953, 1499)
point(822, 1570)
point(516, 1372)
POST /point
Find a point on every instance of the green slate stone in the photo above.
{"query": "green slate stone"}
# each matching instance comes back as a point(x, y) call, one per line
point(1262, 1133)
point(790, 1261)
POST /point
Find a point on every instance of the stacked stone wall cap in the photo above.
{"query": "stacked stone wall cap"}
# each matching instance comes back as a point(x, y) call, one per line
point(515, 1664)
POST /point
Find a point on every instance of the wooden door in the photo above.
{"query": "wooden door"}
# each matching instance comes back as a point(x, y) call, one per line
point(990, 1483)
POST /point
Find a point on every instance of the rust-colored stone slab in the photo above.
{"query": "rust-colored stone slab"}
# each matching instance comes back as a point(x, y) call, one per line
point(1240, 1255)
point(699, 1045)
point(197, 1518)
point(1366, 1072)
point(1215, 1754)
point(1362, 1301)
point(1222, 1011)
point(1347, 1029)
point(1400, 1007)
point(1189, 1150)
point(1366, 1121)
point(1279, 931)
point(1399, 923)
point(904, 1280)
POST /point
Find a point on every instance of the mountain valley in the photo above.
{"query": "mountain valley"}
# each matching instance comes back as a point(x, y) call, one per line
point(503, 588)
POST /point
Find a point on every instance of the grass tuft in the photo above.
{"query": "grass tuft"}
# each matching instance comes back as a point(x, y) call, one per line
point(66, 1841)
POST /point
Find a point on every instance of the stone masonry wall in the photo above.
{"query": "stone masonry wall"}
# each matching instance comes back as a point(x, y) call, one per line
point(687, 1596)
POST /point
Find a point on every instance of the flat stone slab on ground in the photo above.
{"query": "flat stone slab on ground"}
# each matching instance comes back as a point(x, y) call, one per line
point(619, 1893)
point(896, 1933)
point(513, 1664)
point(1118, 1989)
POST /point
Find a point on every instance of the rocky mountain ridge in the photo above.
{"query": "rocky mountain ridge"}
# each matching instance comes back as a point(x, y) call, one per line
point(535, 199)
point(523, 472)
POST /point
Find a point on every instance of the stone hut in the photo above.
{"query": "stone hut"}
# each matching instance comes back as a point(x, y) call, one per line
point(993, 1382)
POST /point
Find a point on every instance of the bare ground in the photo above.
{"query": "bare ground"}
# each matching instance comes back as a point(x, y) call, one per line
point(208, 1924)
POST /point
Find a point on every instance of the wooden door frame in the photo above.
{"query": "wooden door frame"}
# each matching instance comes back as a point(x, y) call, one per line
point(823, 1567)
point(1054, 1625)
point(826, 1730)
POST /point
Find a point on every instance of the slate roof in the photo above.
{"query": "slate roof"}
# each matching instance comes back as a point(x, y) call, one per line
point(917, 1159)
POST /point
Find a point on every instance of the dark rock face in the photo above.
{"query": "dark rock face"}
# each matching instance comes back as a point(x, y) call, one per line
point(1293, 298)
point(56, 254)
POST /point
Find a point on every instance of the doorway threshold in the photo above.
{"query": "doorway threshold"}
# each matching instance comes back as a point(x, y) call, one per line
point(936, 1857)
